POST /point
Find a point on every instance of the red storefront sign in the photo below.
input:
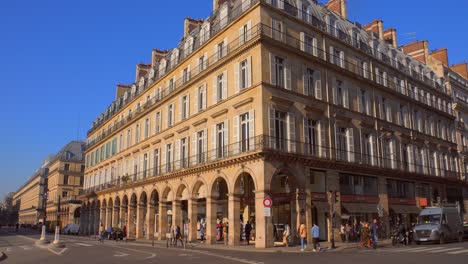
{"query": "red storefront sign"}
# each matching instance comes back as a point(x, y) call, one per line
point(422, 201)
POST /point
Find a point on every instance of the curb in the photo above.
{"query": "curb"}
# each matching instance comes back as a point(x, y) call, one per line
point(3, 256)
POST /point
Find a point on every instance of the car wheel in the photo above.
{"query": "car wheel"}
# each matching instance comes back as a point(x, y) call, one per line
point(442, 239)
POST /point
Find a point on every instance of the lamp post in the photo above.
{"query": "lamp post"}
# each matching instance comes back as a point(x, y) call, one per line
point(43, 240)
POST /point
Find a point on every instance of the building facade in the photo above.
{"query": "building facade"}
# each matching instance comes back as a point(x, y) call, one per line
point(65, 182)
point(272, 98)
point(29, 199)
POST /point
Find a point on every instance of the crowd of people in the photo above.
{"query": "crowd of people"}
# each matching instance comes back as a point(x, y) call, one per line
point(364, 233)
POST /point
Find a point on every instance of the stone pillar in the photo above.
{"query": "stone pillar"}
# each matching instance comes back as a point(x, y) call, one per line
point(192, 219)
point(150, 221)
point(234, 220)
point(116, 216)
point(108, 217)
point(308, 215)
point(124, 217)
point(383, 197)
point(162, 221)
point(210, 220)
point(102, 218)
point(177, 213)
point(140, 222)
point(131, 221)
point(263, 225)
point(90, 222)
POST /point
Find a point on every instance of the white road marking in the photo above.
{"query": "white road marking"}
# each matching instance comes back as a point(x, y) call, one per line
point(152, 256)
point(9, 249)
point(83, 244)
point(406, 249)
point(445, 250)
point(424, 249)
point(26, 247)
point(57, 253)
point(458, 252)
point(120, 254)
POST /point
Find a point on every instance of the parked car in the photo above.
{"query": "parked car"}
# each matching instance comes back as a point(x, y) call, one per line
point(466, 229)
point(71, 229)
point(439, 224)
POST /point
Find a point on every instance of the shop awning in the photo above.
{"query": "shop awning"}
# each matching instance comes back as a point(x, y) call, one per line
point(405, 209)
point(360, 207)
point(322, 207)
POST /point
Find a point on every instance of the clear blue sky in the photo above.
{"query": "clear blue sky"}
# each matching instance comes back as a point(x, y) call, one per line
point(60, 60)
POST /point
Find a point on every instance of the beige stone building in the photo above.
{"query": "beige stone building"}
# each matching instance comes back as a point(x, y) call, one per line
point(29, 198)
point(279, 99)
point(65, 182)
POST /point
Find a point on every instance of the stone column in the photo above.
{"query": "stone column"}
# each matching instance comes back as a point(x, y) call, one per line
point(131, 221)
point(234, 220)
point(263, 225)
point(90, 222)
point(177, 213)
point(140, 214)
point(210, 220)
point(308, 215)
point(383, 197)
point(108, 217)
point(116, 216)
point(192, 218)
point(162, 221)
point(124, 217)
point(150, 218)
point(102, 218)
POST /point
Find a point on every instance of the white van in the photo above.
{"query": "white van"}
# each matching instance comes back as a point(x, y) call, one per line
point(439, 224)
point(71, 229)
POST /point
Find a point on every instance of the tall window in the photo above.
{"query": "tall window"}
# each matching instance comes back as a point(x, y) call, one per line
point(184, 107)
point(201, 98)
point(345, 144)
point(169, 153)
point(145, 165)
point(183, 152)
point(364, 104)
point(201, 138)
point(244, 74)
point(185, 75)
point(147, 128)
point(65, 179)
point(221, 149)
point(280, 130)
point(129, 138)
point(157, 123)
point(340, 94)
point(171, 85)
point(244, 129)
point(137, 134)
point(244, 33)
point(311, 137)
point(279, 71)
point(201, 63)
point(278, 30)
point(156, 162)
point(170, 115)
point(220, 87)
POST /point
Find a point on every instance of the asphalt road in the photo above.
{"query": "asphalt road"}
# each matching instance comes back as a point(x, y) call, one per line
point(20, 248)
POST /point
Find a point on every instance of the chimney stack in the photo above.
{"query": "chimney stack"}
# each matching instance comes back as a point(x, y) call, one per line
point(338, 6)
point(218, 3)
point(390, 37)
point(141, 71)
point(157, 55)
point(461, 68)
point(376, 27)
point(418, 50)
point(441, 55)
point(190, 24)
point(121, 89)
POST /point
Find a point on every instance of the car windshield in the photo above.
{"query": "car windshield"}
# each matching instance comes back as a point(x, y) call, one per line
point(429, 219)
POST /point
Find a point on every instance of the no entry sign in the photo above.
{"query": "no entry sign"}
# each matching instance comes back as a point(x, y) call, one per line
point(267, 202)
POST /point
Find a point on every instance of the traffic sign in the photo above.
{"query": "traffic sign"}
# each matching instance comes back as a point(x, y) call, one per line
point(267, 211)
point(267, 202)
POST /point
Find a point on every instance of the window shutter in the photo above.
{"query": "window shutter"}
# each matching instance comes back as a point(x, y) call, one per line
point(187, 109)
point(194, 148)
point(331, 55)
point(281, 4)
point(173, 113)
point(272, 128)
point(307, 140)
point(410, 158)
point(346, 95)
point(204, 95)
point(241, 35)
point(305, 77)
point(226, 136)
point(195, 99)
point(323, 138)
point(342, 59)
point(350, 138)
point(291, 132)
point(249, 30)
point(299, 10)
point(214, 146)
point(164, 158)
point(177, 154)
point(368, 104)
point(205, 60)
point(215, 89)
point(358, 99)
point(314, 47)
point(225, 84)
point(249, 71)
point(302, 36)
point(272, 69)
point(373, 150)
point(216, 53)
point(226, 46)
point(236, 142)
point(251, 129)
point(236, 77)
point(392, 154)
point(181, 108)
point(334, 91)
point(205, 144)
point(318, 85)
point(287, 71)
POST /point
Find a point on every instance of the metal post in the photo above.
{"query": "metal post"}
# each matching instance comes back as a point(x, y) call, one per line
point(332, 197)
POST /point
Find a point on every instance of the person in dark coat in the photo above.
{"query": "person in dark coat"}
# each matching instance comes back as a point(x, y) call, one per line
point(248, 229)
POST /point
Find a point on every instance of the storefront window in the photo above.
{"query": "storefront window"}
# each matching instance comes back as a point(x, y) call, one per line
point(400, 189)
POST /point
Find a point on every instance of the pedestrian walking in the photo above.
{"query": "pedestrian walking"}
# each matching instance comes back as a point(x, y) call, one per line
point(101, 234)
point(225, 231)
point(303, 236)
point(357, 232)
point(374, 229)
point(172, 234)
point(286, 235)
point(347, 232)
point(178, 236)
point(342, 233)
point(202, 230)
point(248, 229)
point(315, 236)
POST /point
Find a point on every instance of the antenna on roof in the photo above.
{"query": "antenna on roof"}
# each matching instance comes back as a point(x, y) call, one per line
point(410, 36)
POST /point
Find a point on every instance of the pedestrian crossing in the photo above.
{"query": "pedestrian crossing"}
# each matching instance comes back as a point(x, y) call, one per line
point(450, 250)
